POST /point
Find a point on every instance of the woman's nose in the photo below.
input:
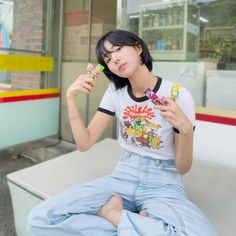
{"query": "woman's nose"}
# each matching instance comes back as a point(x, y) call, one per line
point(115, 57)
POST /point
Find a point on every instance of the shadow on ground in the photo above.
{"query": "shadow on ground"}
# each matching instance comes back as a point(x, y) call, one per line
point(8, 165)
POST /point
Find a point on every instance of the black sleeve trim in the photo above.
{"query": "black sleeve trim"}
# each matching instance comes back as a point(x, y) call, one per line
point(177, 131)
point(111, 113)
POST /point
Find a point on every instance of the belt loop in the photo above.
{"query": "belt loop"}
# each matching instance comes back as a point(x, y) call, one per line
point(127, 153)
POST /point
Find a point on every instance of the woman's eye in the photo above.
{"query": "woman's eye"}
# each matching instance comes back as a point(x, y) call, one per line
point(108, 60)
point(119, 48)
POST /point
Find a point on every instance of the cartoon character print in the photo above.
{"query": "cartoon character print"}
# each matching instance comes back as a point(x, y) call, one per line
point(138, 129)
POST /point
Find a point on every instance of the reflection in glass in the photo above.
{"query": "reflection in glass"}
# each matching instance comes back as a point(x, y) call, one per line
point(191, 42)
point(28, 29)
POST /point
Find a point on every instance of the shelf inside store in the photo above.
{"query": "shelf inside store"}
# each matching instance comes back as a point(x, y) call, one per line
point(166, 51)
point(167, 27)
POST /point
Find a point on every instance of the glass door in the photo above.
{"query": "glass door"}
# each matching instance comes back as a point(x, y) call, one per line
point(85, 21)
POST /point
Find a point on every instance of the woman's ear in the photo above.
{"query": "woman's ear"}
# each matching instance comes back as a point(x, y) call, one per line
point(139, 49)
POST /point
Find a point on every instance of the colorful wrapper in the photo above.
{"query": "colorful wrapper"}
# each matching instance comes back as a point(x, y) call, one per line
point(153, 97)
point(175, 91)
point(94, 70)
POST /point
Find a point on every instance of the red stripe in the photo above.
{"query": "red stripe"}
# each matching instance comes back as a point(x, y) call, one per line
point(28, 97)
point(216, 119)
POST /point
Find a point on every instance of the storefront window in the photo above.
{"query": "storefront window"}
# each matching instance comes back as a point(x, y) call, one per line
point(6, 27)
point(191, 42)
point(29, 97)
point(104, 22)
point(27, 31)
point(85, 21)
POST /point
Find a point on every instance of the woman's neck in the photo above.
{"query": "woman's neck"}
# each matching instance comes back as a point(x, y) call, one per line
point(142, 80)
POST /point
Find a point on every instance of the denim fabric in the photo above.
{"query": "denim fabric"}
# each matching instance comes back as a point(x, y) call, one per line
point(144, 184)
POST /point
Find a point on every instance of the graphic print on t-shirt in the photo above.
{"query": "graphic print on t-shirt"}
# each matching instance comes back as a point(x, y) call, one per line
point(138, 129)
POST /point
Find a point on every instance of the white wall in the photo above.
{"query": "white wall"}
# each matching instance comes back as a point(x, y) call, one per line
point(221, 89)
point(215, 143)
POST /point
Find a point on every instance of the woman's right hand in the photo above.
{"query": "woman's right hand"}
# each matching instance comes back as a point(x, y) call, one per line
point(83, 84)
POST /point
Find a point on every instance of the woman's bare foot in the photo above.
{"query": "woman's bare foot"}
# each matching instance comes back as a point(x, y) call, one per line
point(112, 209)
point(143, 213)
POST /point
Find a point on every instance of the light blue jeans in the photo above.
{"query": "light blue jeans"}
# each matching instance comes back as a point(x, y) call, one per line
point(144, 184)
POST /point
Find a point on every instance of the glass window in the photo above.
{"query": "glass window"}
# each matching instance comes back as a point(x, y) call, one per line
point(75, 56)
point(218, 46)
point(85, 22)
point(191, 42)
point(27, 31)
point(6, 23)
point(6, 29)
point(29, 97)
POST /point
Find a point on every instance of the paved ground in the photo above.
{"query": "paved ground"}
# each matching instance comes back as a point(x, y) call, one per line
point(9, 164)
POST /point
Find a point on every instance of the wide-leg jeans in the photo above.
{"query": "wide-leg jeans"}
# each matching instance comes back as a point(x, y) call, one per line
point(144, 184)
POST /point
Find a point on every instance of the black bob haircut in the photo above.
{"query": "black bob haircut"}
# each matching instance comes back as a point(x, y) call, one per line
point(121, 38)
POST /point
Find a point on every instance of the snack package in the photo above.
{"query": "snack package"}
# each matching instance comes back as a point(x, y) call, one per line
point(94, 70)
point(153, 97)
point(175, 91)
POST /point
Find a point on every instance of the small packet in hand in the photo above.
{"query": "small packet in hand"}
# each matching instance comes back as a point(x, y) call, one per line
point(94, 70)
point(153, 97)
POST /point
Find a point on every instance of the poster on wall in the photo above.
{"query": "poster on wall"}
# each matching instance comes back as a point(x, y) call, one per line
point(4, 37)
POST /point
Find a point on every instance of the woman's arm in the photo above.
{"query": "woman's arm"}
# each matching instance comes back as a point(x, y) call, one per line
point(84, 137)
point(184, 139)
point(184, 150)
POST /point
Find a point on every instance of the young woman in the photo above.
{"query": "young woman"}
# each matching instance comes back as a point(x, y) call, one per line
point(144, 195)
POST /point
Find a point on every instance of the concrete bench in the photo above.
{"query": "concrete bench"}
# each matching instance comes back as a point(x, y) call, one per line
point(211, 186)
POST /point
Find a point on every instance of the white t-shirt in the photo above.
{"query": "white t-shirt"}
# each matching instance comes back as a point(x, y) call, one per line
point(142, 129)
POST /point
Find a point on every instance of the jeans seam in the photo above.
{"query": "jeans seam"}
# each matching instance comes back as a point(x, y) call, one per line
point(180, 220)
point(138, 181)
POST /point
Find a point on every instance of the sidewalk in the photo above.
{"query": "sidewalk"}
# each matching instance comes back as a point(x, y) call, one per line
point(9, 163)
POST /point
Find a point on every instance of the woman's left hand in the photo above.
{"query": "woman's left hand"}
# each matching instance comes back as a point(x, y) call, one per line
point(173, 114)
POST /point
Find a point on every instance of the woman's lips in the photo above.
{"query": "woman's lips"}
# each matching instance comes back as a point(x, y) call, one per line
point(122, 67)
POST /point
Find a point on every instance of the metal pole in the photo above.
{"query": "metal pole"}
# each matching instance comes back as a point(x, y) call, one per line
point(48, 40)
point(59, 63)
point(89, 57)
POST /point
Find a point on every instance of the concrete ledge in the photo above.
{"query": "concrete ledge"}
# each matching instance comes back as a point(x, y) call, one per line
point(211, 186)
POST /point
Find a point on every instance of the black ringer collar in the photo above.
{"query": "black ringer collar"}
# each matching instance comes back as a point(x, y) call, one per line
point(144, 98)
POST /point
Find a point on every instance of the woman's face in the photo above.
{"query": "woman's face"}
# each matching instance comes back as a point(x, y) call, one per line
point(122, 60)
